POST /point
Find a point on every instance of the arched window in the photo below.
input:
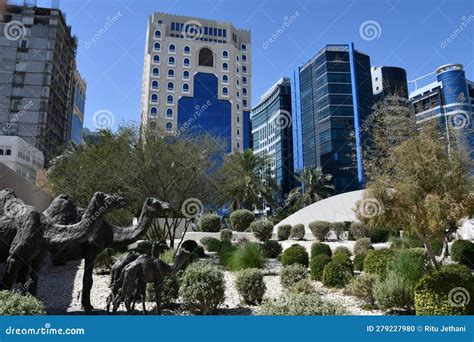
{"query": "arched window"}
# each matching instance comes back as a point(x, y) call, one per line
point(171, 60)
point(8, 152)
point(237, 58)
point(186, 75)
point(169, 126)
point(238, 119)
point(172, 48)
point(187, 50)
point(225, 54)
point(244, 103)
point(225, 79)
point(244, 80)
point(154, 84)
point(156, 72)
point(238, 70)
point(170, 85)
point(238, 94)
point(154, 111)
point(244, 91)
point(152, 125)
point(156, 59)
point(185, 87)
point(225, 91)
point(158, 34)
point(1, 151)
point(169, 112)
point(243, 47)
point(157, 46)
point(225, 66)
point(170, 73)
point(238, 82)
point(244, 58)
point(169, 99)
point(238, 106)
point(244, 69)
point(186, 62)
point(206, 57)
point(238, 145)
point(238, 131)
point(154, 98)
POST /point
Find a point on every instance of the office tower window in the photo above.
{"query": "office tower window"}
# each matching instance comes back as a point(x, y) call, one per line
point(244, 80)
point(169, 126)
point(169, 99)
point(185, 87)
point(154, 111)
point(172, 48)
point(154, 98)
point(171, 73)
point(186, 62)
point(225, 54)
point(156, 72)
point(170, 86)
point(186, 75)
point(206, 57)
point(154, 85)
point(169, 112)
point(156, 59)
point(244, 69)
point(157, 34)
point(225, 79)
point(157, 47)
point(225, 66)
point(243, 47)
point(225, 91)
point(187, 50)
point(171, 60)
point(244, 58)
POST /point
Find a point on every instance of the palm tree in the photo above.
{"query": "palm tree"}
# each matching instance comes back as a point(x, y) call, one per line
point(315, 185)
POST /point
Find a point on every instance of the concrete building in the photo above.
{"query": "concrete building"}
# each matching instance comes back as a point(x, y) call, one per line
point(333, 97)
point(20, 156)
point(37, 64)
point(197, 75)
point(389, 80)
point(272, 133)
point(77, 116)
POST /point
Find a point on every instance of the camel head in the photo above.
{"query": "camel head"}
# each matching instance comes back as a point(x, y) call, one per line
point(106, 201)
point(154, 205)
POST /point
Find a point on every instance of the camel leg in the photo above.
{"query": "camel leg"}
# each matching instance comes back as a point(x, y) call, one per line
point(87, 281)
point(14, 265)
point(158, 294)
point(23, 280)
point(36, 267)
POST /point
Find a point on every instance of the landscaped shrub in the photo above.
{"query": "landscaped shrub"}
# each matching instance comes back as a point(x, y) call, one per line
point(410, 264)
point(462, 251)
point(377, 261)
point(303, 286)
point(210, 244)
point(168, 256)
point(251, 286)
point(262, 230)
point(247, 255)
point(359, 230)
point(290, 275)
point(393, 292)
point(336, 274)
point(225, 252)
point(461, 270)
point(362, 246)
point(343, 259)
point(240, 220)
point(342, 250)
point(170, 292)
point(271, 249)
point(144, 247)
point(412, 241)
point(297, 232)
point(202, 287)
point(444, 293)
point(320, 229)
point(359, 262)
point(189, 245)
point(338, 228)
point(226, 234)
point(283, 232)
point(362, 287)
point(15, 304)
point(298, 304)
point(318, 248)
point(378, 235)
point(296, 254)
point(317, 265)
point(210, 223)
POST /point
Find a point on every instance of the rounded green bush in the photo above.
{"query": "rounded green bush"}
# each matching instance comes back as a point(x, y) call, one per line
point(318, 248)
point(189, 245)
point(283, 232)
point(210, 244)
point(378, 235)
point(226, 234)
point(247, 255)
point(342, 258)
point(393, 292)
point(359, 230)
point(250, 285)
point(303, 286)
point(377, 261)
point(296, 254)
point(263, 230)
point(240, 220)
point(271, 249)
point(299, 304)
point(359, 262)
point(444, 293)
point(290, 275)
point(15, 304)
point(202, 287)
point(362, 287)
point(320, 229)
point(410, 264)
point(342, 250)
point(461, 270)
point(336, 274)
point(297, 232)
point(317, 265)
point(362, 246)
point(210, 223)
point(170, 291)
point(462, 251)
point(225, 252)
point(338, 228)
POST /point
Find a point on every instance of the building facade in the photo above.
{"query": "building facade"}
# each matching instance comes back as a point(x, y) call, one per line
point(79, 103)
point(389, 81)
point(21, 157)
point(333, 97)
point(197, 78)
point(272, 133)
point(37, 64)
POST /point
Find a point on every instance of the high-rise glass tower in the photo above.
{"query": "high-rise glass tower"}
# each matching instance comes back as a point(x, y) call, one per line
point(333, 97)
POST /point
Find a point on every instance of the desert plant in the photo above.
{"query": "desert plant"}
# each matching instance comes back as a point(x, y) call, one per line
point(462, 251)
point(342, 250)
point(318, 248)
point(226, 234)
point(299, 304)
point(343, 259)
point(359, 230)
point(202, 287)
point(320, 229)
point(362, 246)
point(461, 270)
point(336, 274)
point(210, 244)
point(271, 249)
point(317, 265)
point(410, 264)
point(168, 256)
point(362, 287)
point(247, 255)
point(170, 291)
point(377, 261)
point(393, 292)
point(225, 252)
point(297, 232)
point(290, 275)
point(283, 232)
point(359, 262)
point(295, 254)
point(210, 223)
point(15, 304)
point(240, 220)
point(304, 286)
point(338, 228)
point(251, 286)
point(263, 229)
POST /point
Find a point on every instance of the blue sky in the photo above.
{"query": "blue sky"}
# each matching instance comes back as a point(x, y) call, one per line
point(411, 34)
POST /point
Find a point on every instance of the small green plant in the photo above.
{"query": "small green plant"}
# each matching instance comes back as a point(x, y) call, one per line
point(262, 229)
point(462, 251)
point(362, 246)
point(226, 234)
point(170, 292)
point(304, 286)
point(251, 286)
point(210, 244)
point(295, 254)
point(240, 220)
point(342, 250)
point(318, 248)
point(359, 262)
point(290, 275)
point(410, 264)
point(247, 255)
point(283, 232)
point(393, 292)
point(297, 232)
point(271, 249)
point(225, 252)
point(336, 274)
point(202, 287)
point(320, 229)
point(210, 223)
point(299, 304)
point(362, 287)
point(168, 256)
point(15, 304)
point(343, 259)
point(317, 265)
point(359, 230)
point(377, 261)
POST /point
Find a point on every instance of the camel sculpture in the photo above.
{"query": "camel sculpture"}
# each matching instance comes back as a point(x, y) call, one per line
point(109, 236)
point(28, 234)
point(143, 270)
